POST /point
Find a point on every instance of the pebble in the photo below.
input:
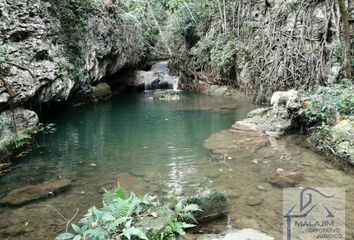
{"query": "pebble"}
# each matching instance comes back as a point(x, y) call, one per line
point(254, 201)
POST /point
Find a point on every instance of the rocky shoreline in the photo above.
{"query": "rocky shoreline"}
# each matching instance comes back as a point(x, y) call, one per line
point(277, 122)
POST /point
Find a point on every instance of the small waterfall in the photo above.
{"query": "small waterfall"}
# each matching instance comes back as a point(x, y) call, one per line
point(157, 78)
point(175, 84)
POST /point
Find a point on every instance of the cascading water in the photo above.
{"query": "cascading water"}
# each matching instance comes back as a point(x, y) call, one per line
point(157, 78)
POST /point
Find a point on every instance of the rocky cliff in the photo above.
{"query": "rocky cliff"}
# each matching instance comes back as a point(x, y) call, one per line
point(266, 46)
point(52, 50)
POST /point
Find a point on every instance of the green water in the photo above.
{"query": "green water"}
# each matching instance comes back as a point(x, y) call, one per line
point(159, 143)
point(150, 146)
point(127, 134)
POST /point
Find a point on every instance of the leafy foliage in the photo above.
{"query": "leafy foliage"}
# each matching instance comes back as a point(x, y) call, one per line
point(328, 103)
point(118, 219)
point(73, 15)
point(22, 141)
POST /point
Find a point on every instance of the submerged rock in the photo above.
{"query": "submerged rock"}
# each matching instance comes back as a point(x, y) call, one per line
point(34, 192)
point(170, 95)
point(254, 200)
point(244, 234)
point(287, 178)
point(213, 204)
point(128, 182)
point(238, 141)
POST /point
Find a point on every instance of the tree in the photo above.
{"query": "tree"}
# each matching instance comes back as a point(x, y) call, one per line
point(346, 35)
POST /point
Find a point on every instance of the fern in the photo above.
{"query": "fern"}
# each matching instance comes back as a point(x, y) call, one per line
point(120, 208)
point(186, 212)
point(116, 219)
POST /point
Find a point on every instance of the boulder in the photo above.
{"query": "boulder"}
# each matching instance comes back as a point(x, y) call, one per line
point(101, 91)
point(30, 193)
point(273, 122)
point(343, 130)
point(157, 220)
point(213, 204)
point(169, 95)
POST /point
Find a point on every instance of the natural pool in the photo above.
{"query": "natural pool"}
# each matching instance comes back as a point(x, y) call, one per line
point(152, 146)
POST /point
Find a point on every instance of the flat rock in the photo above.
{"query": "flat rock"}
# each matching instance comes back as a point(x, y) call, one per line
point(246, 222)
point(33, 192)
point(287, 178)
point(273, 122)
point(244, 234)
point(237, 141)
point(169, 95)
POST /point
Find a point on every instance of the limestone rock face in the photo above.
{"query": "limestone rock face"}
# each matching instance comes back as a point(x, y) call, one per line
point(16, 124)
point(40, 57)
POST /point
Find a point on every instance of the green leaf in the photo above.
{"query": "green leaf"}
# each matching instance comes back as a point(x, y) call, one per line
point(192, 208)
point(77, 237)
point(76, 228)
point(121, 221)
point(107, 217)
point(65, 236)
point(133, 231)
point(187, 225)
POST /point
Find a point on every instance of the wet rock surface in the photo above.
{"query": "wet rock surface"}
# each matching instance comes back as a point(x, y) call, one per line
point(273, 122)
point(287, 178)
point(169, 95)
point(34, 192)
point(245, 234)
point(129, 182)
point(239, 139)
point(213, 204)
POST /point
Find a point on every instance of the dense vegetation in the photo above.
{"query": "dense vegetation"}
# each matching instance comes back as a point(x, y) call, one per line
point(254, 46)
point(130, 217)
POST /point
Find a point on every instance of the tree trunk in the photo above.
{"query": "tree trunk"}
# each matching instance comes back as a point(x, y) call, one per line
point(346, 35)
